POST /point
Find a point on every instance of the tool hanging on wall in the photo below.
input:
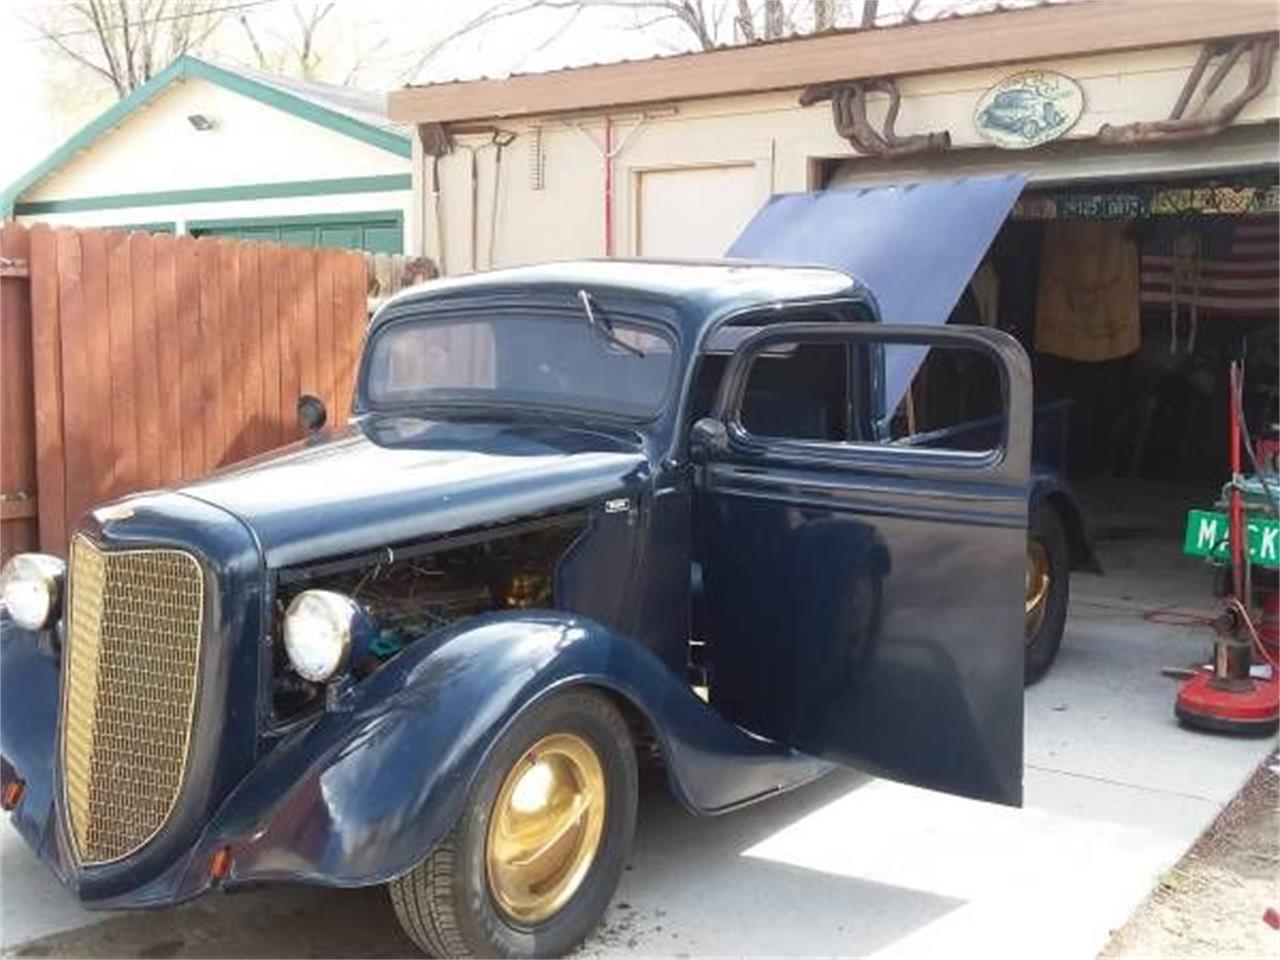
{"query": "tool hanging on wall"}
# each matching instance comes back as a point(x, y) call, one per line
point(498, 141)
point(608, 150)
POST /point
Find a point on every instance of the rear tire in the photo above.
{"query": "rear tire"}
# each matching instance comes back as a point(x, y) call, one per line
point(1043, 643)
point(447, 903)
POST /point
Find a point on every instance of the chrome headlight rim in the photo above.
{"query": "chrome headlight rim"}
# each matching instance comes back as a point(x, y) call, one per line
point(318, 631)
point(44, 576)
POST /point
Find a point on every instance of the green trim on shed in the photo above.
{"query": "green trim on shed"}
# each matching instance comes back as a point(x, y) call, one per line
point(244, 191)
point(378, 231)
point(182, 68)
point(157, 227)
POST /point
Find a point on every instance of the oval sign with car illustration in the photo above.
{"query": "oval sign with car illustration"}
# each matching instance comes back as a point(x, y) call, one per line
point(1028, 109)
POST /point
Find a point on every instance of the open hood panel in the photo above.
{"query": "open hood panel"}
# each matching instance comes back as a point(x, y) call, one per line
point(915, 246)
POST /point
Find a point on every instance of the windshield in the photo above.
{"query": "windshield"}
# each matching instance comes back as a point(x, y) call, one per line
point(524, 358)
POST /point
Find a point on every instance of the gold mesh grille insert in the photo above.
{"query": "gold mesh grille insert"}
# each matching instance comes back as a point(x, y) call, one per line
point(133, 647)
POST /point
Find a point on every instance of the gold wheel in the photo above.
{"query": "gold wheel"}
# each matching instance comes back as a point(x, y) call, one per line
point(545, 828)
point(1039, 579)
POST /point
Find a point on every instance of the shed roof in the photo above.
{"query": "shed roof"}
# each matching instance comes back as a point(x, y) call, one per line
point(1001, 36)
point(359, 114)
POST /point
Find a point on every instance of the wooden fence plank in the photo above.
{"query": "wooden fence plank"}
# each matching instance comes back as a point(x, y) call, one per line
point(305, 291)
point(77, 412)
point(255, 438)
point(191, 370)
point(97, 342)
point(268, 278)
point(324, 262)
point(290, 334)
point(18, 527)
point(123, 409)
point(341, 336)
point(168, 352)
point(46, 379)
point(146, 357)
point(232, 372)
point(211, 351)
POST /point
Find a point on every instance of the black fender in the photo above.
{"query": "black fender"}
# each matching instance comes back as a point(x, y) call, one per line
point(29, 697)
point(1051, 490)
point(367, 791)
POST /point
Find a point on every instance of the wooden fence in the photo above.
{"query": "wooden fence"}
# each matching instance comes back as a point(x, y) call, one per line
point(132, 361)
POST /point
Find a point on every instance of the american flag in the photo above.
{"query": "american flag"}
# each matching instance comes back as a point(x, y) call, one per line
point(1230, 268)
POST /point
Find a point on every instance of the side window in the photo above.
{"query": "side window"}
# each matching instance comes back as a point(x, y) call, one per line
point(799, 391)
point(953, 400)
point(941, 398)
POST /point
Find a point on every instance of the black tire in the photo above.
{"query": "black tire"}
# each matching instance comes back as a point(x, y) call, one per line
point(444, 904)
point(1042, 649)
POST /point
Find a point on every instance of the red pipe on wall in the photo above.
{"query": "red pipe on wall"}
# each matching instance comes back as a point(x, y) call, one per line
point(608, 187)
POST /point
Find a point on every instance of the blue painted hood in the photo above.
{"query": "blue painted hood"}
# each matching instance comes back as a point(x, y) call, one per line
point(915, 246)
point(390, 480)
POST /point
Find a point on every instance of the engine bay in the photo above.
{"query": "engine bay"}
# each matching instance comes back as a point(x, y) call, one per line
point(412, 591)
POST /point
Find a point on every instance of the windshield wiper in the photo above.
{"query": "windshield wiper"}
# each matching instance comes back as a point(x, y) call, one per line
point(603, 328)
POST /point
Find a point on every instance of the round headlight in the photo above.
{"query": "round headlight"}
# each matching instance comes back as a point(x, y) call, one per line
point(31, 587)
point(317, 633)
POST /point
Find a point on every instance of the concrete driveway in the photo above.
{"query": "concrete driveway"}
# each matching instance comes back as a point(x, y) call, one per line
point(1115, 793)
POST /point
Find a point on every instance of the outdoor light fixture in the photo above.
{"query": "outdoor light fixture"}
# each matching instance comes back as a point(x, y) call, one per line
point(201, 122)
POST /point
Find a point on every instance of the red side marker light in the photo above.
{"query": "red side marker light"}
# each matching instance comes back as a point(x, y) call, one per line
point(220, 863)
point(12, 795)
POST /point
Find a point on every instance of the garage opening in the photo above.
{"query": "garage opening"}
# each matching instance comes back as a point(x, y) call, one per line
point(1131, 298)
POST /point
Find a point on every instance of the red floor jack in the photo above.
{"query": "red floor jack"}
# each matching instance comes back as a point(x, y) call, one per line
point(1234, 696)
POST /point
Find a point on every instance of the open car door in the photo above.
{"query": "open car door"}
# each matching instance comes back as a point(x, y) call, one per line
point(864, 599)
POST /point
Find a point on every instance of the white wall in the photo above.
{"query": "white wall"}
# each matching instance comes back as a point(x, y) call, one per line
point(779, 141)
point(155, 148)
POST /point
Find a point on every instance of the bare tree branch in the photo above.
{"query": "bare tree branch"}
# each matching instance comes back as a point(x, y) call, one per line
point(121, 40)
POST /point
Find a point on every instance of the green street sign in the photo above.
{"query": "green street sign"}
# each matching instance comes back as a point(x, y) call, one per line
point(1208, 535)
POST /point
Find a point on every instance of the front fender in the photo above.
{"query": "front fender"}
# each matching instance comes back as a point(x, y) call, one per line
point(1052, 490)
point(367, 791)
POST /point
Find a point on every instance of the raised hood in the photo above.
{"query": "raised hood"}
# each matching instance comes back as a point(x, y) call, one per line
point(915, 246)
point(391, 480)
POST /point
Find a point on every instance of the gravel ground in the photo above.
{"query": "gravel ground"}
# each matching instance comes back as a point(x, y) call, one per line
point(1212, 903)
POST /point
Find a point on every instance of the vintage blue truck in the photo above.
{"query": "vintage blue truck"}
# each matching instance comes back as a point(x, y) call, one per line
point(584, 516)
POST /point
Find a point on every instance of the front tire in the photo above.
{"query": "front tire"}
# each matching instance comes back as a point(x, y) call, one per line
point(534, 859)
point(1048, 587)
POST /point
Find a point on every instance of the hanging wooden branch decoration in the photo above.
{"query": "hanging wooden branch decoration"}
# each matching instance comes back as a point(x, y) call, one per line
point(849, 111)
point(1196, 123)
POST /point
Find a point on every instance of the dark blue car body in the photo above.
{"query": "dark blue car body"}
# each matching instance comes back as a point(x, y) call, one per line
point(760, 545)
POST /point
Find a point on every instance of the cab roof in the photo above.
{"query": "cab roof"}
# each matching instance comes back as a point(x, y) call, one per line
point(699, 291)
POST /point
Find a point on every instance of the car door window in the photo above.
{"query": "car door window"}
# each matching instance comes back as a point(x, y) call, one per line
point(803, 392)
point(799, 391)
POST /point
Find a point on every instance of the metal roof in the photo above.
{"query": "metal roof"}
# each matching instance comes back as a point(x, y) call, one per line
point(999, 35)
point(366, 106)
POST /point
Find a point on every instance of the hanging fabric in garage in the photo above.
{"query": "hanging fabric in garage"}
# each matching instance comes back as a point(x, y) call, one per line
point(1087, 302)
point(1238, 269)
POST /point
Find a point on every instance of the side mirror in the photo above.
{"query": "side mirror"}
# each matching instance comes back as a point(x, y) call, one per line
point(707, 437)
point(311, 413)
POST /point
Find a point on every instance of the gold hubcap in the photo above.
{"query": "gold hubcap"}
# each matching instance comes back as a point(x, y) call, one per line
point(546, 827)
point(1038, 582)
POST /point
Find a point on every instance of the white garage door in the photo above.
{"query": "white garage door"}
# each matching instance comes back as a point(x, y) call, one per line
point(696, 211)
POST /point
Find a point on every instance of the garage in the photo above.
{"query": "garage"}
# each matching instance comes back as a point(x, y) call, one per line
point(1132, 296)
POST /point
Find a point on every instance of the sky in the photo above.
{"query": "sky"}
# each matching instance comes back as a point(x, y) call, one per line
point(48, 99)
point(57, 99)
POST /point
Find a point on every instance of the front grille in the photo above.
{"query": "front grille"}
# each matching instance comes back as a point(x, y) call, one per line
point(133, 648)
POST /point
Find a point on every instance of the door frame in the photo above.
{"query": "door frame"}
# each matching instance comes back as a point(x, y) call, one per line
point(1010, 462)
